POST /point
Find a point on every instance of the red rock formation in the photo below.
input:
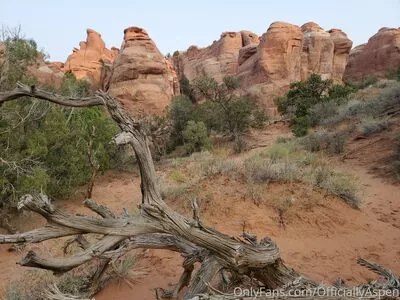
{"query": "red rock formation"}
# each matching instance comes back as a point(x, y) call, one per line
point(86, 62)
point(275, 64)
point(47, 73)
point(141, 77)
point(377, 57)
point(267, 66)
point(217, 60)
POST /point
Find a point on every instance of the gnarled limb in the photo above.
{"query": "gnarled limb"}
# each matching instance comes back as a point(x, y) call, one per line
point(157, 226)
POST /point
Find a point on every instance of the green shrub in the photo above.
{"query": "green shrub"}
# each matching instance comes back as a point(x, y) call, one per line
point(18, 55)
point(304, 95)
point(340, 93)
point(196, 137)
point(394, 74)
point(221, 112)
point(185, 87)
point(323, 111)
point(44, 147)
point(333, 142)
point(337, 184)
point(280, 151)
point(258, 170)
point(300, 125)
point(181, 111)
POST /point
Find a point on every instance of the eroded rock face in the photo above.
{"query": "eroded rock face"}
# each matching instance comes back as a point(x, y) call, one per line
point(217, 60)
point(141, 77)
point(377, 57)
point(86, 62)
point(266, 66)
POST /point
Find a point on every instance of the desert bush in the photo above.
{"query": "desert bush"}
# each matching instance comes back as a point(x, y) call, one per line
point(221, 111)
point(18, 55)
point(185, 87)
point(259, 169)
point(255, 192)
point(239, 144)
point(341, 185)
point(181, 111)
point(384, 100)
point(125, 269)
point(322, 111)
point(232, 114)
point(178, 176)
point(44, 148)
point(196, 137)
point(303, 95)
point(333, 142)
point(336, 141)
point(371, 125)
point(35, 283)
point(280, 151)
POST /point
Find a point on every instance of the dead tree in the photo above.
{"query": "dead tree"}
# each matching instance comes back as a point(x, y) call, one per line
point(157, 226)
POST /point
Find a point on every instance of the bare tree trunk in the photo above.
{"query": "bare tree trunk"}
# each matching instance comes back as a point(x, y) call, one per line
point(156, 227)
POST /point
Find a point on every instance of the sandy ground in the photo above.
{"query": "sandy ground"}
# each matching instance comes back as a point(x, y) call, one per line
point(323, 236)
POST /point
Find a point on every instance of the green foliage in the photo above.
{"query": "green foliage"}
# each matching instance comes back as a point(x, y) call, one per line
point(181, 111)
point(176, 53)
point(45, 147)
point(222, 111)
point(226, 112)
point(19, 53)
point(72, 87)
point(303, 95)
point(195, 136)
point(340, 93)
point(394, 74)
point(333, 142)
point(185, 87)
point(286, 162)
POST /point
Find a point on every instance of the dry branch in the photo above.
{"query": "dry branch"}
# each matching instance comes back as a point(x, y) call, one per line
point(157, 226)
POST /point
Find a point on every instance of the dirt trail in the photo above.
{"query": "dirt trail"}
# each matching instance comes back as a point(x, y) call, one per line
point(323, 241)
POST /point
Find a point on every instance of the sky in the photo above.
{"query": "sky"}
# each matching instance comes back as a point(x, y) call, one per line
point(59, 25)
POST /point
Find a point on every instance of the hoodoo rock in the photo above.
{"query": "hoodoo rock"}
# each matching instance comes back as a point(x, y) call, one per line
point(87, 61)
point(142, 78)
point(266, 66)
point(380, 55)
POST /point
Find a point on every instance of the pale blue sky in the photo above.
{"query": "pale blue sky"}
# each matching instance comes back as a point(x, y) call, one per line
point(59, 25)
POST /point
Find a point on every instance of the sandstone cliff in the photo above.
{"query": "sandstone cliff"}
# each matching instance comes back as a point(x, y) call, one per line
point(266, 66)
point(86, 62)
point(141, 77)
point(377, 57)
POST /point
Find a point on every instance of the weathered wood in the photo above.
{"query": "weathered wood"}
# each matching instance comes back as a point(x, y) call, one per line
point(157, 226)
